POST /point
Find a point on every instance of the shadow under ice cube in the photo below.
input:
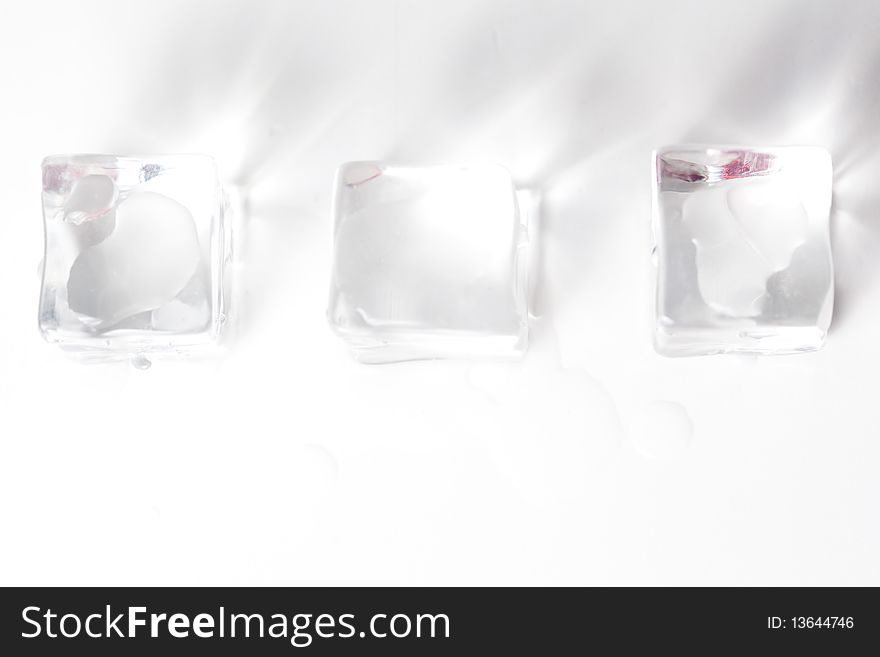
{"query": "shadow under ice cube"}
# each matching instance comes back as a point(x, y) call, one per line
point(743, 259)
point(429, 262)
point(134, 256)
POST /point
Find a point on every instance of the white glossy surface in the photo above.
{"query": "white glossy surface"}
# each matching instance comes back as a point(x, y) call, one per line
point(287, 463)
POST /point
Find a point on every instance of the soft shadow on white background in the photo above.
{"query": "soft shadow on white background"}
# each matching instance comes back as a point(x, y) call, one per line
point(594, 461)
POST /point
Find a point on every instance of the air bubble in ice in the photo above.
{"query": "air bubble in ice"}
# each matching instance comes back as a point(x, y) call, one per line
point(743, 235)
point(91, 196)
point(146, 261)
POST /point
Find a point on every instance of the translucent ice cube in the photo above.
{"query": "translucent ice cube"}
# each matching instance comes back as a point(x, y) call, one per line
point(743, 254)
point(429, 262)
point(134, 253)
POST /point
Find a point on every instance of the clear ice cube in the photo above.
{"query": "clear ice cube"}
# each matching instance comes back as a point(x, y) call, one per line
point(135, 251)
point(429, 262)
point(743, 258)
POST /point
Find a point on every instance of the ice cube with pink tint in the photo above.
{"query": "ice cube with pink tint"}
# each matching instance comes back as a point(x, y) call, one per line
point(742, 250)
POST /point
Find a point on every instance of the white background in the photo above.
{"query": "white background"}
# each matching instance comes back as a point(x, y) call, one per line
point(594, 461)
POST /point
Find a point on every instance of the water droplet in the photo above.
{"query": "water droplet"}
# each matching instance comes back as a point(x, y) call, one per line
point(661, 430)
point(140, 362)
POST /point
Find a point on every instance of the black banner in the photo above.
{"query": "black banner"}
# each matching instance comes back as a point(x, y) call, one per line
point(446, 621)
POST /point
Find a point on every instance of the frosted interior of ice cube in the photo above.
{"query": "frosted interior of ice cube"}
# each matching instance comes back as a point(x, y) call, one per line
point(134, 253)
point(429, 262)
point(743, 259)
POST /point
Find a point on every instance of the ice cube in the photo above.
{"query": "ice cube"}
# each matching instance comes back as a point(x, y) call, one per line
point(133, 262)
point(741, 234)
point(429, 262)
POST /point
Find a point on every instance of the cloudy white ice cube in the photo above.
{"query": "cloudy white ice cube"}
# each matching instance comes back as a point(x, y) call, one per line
point(429, 262)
